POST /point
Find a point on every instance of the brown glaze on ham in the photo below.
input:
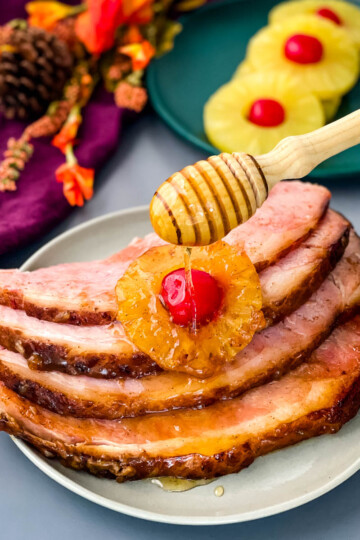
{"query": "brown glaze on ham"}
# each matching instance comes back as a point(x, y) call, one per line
point(73, 293)
point(316, 398)
point(83, 293)
point(98, 351)
point(288, 283)
point(290, 213)
point(271, 353)
point(104, 351)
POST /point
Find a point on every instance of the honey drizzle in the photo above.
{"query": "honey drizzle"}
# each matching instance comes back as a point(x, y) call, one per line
point(172, 484)
point(190, 288)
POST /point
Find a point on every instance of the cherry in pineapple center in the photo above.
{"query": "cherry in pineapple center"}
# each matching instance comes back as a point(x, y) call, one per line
point(198, 300)
point(304, 49)
point(266, 113)
point(328, 13)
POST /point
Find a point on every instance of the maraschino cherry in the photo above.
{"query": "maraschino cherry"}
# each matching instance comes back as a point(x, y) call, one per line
point(266, 113)
point(200, 303)
point(328, 13)
point(304, 49)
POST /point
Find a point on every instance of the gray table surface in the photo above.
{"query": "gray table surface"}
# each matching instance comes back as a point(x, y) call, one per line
point(34, 507)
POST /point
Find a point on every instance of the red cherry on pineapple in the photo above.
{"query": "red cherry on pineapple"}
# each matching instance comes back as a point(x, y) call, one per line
point(329, 14)
point(267, 113)
point(182, 305)
point(304, 49)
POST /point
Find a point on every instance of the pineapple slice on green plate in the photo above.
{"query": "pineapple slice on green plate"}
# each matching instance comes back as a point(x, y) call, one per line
point(205, 56)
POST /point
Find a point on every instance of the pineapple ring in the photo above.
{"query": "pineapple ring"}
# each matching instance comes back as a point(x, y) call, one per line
point(330, 106)
point(148, 324)
point(332, 76)
point(226, 113)
point(349, 14)
point(243, 69)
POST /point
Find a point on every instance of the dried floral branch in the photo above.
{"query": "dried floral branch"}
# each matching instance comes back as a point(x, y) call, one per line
point(130, 97)
point(109, 39)
point(76, 94)
point(17, 154)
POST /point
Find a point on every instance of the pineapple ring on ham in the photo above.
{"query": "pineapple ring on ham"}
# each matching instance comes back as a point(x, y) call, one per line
point(226, 113)
point(348, 15)
point(333, 75)
point(173, 347)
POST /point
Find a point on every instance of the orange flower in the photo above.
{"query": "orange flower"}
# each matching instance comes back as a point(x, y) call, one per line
point(132, 35)
point(68, 132)
point(46, 14)
point(137, 11)
point(97, 27)
point(140, 53)
point(95, 40)
point(78, 183)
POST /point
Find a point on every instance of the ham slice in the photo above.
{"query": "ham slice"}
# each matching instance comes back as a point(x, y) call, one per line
point(83, 293)
point(316, 398)
point(270, 354)
point(104, 351)
point(74, 293)
point(288, 283)
point(291, 211)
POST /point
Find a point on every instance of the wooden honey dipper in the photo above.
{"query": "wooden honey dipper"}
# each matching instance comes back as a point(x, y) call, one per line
point(203, 202)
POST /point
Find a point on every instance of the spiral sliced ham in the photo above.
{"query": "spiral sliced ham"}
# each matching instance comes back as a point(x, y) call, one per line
point(104, 351)
point(317, 397)
point(83, 293)
point(270, 354)
point(298, 378)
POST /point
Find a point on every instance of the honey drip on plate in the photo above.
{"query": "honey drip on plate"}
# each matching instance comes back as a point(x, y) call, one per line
point(172, 484)
point(219, 491)
point(190, 287)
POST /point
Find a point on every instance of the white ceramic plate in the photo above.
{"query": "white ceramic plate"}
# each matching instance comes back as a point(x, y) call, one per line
point(273, 484)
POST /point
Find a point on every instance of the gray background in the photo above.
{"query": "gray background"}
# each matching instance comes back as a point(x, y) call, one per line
point(33, 506)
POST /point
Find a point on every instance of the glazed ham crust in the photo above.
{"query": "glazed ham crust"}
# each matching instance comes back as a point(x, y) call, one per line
point(86, 295)
point(104, 351)
point(271, 353)
point(317, 397)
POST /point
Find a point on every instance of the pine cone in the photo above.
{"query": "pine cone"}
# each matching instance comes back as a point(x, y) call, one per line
point(33, 72)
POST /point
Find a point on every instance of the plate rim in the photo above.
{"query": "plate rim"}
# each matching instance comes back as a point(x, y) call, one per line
point(47, 468)
point(179, 129)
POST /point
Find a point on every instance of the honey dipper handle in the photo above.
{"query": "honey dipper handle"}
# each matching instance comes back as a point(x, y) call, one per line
point(295, 157)
point(203, 202)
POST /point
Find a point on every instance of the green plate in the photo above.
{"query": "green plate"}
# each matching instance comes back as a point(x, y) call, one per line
point(206, 53)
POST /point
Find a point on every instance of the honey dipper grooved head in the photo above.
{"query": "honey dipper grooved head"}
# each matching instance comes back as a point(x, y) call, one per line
point(203, 202)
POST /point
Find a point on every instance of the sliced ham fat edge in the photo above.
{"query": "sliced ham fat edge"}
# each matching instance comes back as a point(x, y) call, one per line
point(272, 353)
point(104, 351)
point(83, 293)
point(317, 397)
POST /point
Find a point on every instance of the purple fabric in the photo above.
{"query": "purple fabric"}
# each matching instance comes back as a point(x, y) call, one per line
point(39, 204)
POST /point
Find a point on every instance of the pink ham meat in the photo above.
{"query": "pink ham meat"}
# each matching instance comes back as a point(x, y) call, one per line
point(316, 398)
point(104, 351)
point(288, 283)
point(270, 354)
point(83, 293)
point(292, 210)
point(74, 293)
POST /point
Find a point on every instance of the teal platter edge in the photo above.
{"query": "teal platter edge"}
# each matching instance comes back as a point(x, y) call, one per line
point(206, 53)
